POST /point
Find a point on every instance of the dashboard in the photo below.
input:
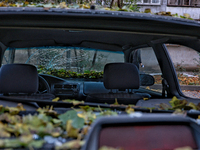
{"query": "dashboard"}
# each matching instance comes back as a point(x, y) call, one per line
point(73, 89)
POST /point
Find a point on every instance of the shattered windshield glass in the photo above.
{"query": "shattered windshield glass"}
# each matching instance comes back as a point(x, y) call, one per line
point(64, 61)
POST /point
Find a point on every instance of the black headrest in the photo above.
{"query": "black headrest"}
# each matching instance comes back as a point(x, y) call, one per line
point(18, 78)
point(121, 76)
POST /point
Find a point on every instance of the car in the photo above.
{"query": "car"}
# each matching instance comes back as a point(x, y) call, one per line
point(76, 65)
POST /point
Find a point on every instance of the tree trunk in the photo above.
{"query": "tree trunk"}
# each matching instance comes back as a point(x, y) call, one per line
point(75, 53)
point(68, 65)
point(94, 59)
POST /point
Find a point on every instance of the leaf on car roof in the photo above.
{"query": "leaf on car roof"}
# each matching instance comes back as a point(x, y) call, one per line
point(75, 144)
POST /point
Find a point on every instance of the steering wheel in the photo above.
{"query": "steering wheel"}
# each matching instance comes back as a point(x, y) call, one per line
point(43, 86)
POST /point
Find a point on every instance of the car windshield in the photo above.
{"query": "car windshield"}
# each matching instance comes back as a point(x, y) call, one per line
point(63, 62)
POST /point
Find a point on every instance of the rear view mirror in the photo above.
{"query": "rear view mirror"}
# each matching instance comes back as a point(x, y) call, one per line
point(146, 80)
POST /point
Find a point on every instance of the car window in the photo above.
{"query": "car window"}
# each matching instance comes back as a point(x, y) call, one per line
point(148, 64)
point(186, 62)
point(63, 61)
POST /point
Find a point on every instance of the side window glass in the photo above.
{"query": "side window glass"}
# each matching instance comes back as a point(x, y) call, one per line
point(146, 61)
point(186, 62)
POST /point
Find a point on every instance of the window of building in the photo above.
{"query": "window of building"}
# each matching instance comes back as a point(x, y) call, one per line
point(150, 2)
point(184, 2)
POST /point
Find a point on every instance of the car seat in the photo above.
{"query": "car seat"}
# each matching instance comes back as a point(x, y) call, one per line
point(122, 78)
point(21, 81)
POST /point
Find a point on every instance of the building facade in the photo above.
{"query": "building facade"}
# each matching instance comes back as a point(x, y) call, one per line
point(191, 7)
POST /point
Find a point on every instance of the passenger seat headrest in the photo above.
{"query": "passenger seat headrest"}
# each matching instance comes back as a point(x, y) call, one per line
point(18, 78)
point(121, 76)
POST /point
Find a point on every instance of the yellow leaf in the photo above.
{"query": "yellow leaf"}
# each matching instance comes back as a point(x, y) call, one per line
point(86, 7)
point(116, 102)
point(193, 106)
point(106, 8)
point(145, 99)
point(20, 107)
point(55, 99)
point(55, 134)
point(71, 131)
point(130, 110)
point(26, 138)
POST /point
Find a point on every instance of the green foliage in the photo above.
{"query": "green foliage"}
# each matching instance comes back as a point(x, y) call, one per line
point(62, 73)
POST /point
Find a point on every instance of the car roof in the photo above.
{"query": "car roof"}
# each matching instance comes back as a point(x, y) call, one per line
point(109, 30)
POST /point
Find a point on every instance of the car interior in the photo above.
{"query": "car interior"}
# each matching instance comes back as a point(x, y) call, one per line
point(128, 86)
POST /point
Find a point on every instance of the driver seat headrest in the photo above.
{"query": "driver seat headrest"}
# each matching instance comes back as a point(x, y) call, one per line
point(18, 78)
